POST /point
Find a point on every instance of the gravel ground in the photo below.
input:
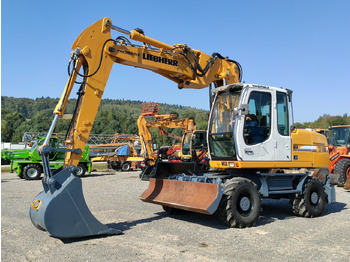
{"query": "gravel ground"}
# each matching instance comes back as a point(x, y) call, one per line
point(149, 234)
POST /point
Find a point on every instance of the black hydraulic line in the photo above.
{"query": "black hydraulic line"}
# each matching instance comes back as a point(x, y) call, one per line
point(122, 38)
point(80, 94)
point(99, 65)
point(232, 61)
point(69, 81)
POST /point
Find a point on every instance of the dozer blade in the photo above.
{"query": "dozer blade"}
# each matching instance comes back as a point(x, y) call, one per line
point(62, 211)
point(192, 196)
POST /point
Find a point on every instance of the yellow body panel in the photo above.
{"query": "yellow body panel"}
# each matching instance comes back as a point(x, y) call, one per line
point(309, 150)
point(99, 159)
point(310, 146)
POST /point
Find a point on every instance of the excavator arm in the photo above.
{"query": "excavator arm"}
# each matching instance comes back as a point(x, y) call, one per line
point(94, 53)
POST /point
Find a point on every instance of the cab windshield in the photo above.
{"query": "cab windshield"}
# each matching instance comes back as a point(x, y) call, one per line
point(340, 136)
point(199, 140)
point(221, 139)
point(194, 141)
point(186, 148)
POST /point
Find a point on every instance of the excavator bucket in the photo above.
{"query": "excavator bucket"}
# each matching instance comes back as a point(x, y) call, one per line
point(62, 211)
point(192, 196)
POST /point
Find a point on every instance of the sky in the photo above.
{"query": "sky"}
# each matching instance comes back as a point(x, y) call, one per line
point(296, 44)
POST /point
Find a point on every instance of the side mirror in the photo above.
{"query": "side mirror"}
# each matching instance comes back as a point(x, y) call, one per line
point(244, 109)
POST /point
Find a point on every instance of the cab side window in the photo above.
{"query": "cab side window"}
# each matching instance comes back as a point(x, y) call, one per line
point(257, 124)
point(282, 114)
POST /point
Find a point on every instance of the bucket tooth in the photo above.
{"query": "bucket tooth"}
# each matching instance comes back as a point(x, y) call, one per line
point(192, 196)
point(62, 211)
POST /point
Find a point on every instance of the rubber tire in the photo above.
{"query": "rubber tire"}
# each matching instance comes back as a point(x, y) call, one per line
point(342, 167)
point(302, 205)
point(32, 172)
point(126, 166)
point(113, 165)
point(21, 175)
point(81, 170)
point(230, 211)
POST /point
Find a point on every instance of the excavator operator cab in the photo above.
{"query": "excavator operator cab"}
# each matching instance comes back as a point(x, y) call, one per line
point(222, 121)
point(193, 140)
point(251, 123)
point(340, 136)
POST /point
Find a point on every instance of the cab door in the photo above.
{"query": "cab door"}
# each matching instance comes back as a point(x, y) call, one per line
point(283, 141)
point(255, 131)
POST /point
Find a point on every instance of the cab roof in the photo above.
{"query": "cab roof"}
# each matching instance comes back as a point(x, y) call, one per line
point(240, 86)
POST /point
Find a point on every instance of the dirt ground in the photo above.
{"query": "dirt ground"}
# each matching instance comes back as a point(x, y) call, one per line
point(150, 234)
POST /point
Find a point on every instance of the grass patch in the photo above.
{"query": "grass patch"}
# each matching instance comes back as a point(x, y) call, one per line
point(99, 166)
point(5, 169)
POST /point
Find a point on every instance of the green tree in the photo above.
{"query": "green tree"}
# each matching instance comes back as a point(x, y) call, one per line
point(6, 133)
point(11, 123)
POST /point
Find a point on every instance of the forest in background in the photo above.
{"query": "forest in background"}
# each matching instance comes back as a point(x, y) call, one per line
point(19, 115)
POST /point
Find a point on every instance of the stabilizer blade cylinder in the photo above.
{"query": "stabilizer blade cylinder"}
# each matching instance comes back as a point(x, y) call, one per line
point(62, 211)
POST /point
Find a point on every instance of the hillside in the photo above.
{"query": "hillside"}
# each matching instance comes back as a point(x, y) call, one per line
point(19, 115)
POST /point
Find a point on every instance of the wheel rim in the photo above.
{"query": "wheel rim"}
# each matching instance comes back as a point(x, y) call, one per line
point(244, 204)
point(126, 167)
point(32, 172)
point(314, 198)
point(79, 170)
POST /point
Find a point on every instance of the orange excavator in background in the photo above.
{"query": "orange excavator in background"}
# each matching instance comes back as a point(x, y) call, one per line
point(244, 151)
point(150, 118)
point(339, 154)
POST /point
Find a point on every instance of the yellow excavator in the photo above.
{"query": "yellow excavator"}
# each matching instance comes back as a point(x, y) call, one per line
point(150, 118)
point(253, 150)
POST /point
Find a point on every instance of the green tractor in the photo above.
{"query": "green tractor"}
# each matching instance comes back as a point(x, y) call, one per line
point(30, 166)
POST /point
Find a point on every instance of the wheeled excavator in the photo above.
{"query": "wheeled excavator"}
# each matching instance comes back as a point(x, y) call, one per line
point(252, 157)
